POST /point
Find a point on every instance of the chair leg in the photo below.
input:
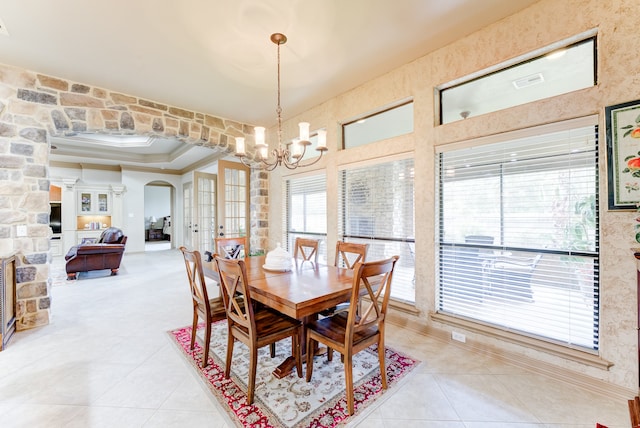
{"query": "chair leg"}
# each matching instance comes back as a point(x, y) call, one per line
point(381, 357)
point(253, 364)
point(310, 344)
point(193, 329)
point(207, 340)
point(227, 366)
point(272, 350)
point(348, 377)
point(297, 340)
point(329, 354)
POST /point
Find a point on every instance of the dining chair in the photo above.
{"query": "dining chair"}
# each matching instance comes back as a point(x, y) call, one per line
point(255, 326)
point(306, 249)
point(347, 255)
point(232, 248)
point(634, 412)
point(209, 310)
point(351, 332)
point(350, 253)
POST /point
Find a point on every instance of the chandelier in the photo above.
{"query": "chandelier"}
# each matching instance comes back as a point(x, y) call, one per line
point(290, 157)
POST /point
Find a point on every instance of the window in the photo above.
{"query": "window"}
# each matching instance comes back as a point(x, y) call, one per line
point(376, 207)
point(378, 126)
point(306, 211)
point(552, 71)
point(518, 234)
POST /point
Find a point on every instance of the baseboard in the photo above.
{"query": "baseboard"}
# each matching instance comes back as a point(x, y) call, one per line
point(533, 365)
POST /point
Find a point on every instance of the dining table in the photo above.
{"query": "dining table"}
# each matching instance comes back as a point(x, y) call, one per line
point(301, 292)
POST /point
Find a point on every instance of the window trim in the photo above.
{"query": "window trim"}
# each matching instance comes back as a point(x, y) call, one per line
point(563, 125)
point(584, 356)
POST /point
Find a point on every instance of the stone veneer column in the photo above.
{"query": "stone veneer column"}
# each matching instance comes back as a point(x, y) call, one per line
point(259, 209)
point(34, 107)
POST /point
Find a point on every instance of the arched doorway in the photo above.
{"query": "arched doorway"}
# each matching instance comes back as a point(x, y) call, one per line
point(159, 203)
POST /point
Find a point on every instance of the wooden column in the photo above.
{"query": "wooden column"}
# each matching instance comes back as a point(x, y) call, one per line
point(636, 254)
point(7, 299)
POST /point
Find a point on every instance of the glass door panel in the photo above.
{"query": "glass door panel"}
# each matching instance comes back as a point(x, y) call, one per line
point(85, 202)
point(205, 212)
point(233, 182)
point(187, 198)
point(103, 203)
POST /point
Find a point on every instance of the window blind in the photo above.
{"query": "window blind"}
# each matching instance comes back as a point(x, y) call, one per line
point(376, 206)
point(518, 235)
point(305, 202)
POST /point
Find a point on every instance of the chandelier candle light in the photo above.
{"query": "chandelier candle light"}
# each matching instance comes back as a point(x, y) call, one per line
point(282, 155)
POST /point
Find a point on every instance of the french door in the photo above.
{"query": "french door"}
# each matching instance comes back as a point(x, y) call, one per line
point(204, 211)
point(233, 200)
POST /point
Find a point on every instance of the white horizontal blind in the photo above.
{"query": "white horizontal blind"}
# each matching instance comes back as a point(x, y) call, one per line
point(518, 235)
point(377, 208)
point(305, 202)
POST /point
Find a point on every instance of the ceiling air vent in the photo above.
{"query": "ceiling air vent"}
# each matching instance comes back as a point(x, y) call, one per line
point(531, 80)
point(3, 29)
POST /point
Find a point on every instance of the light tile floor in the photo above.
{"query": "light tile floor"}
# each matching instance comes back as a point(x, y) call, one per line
point(106, 361)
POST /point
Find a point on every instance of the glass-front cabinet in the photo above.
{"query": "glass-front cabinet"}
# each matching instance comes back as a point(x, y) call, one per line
point(92, 202)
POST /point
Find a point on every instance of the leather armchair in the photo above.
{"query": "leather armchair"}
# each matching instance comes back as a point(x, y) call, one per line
point(104, 254)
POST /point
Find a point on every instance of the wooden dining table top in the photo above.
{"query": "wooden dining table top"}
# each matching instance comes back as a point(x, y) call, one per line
point(304, 291)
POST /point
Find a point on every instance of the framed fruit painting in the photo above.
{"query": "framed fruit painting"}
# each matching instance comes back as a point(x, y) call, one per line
point(623, 155)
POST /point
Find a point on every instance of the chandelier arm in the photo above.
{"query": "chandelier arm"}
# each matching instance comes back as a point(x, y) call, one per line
point(291, 165)
point(304, 150)
point(252, 165)
point(312, 162)
point(286, 160)
point(269, 167)
point(244, 161)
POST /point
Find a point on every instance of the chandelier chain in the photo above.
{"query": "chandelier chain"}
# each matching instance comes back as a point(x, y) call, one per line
point(279, 108)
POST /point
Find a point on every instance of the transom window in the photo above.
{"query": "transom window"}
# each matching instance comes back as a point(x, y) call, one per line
point(564, 67)
point(388, 123)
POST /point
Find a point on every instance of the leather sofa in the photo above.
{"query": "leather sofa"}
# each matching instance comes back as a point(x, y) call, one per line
point(106, 253)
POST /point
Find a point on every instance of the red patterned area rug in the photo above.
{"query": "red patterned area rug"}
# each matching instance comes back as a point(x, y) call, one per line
point(290, 402)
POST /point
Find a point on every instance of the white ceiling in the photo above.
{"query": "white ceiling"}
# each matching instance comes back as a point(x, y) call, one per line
point(215, 56)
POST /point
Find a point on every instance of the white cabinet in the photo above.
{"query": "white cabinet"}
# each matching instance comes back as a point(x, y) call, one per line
point(94, 202)
point(56, 246)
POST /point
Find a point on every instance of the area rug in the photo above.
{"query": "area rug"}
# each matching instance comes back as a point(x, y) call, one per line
point(289, 402)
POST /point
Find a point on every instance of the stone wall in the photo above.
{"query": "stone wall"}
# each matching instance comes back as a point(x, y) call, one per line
point(34, 107)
